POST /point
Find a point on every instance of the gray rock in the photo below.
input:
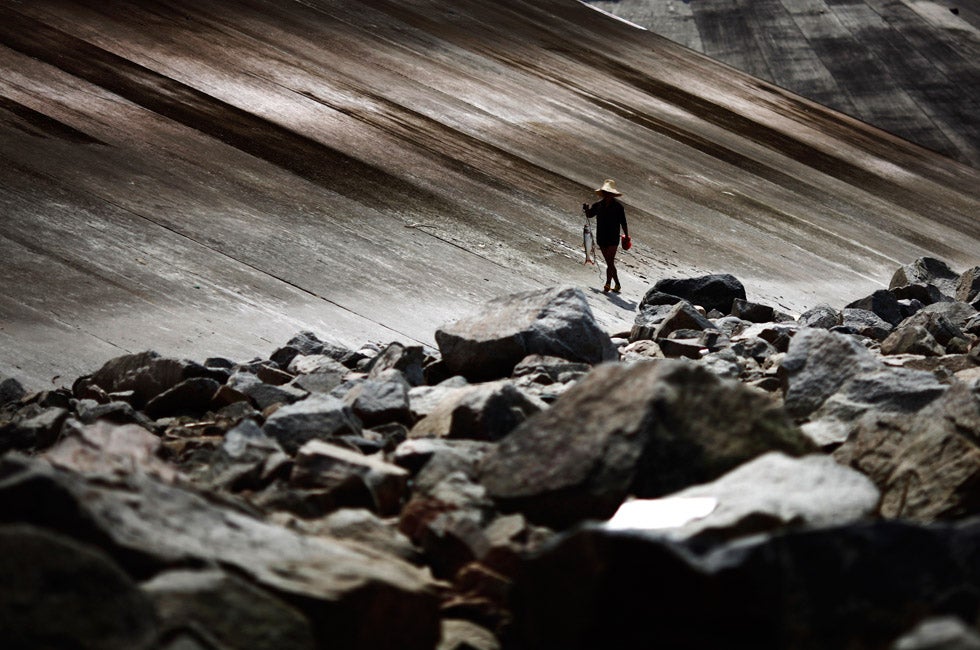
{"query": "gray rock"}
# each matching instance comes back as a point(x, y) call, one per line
point(355, 598)
point(817, 364)
point(927, 270)
point(423, 400)
point(822, 316)
point(104, 449)
point(486, 411)
point(247, 460)
point(191, 398)
point(883, 304)
point(362, 526)
point(710, 291)
point(38, 430)
point(939, 633)
point(926, 294)
point(880, 392)
point(752, 311)
point(231, 611)
point(754, 348)
point(89, 412)
point(264, 395)
point(317, 373)
point(775, 492)
point(547, 369)
point(146, 374)
point(912, 339)
point(866, 323)
point(968, 287)
point(406, 359)
point(556, 322)
point(58, 593)
point(682, 348)
point(381, 400)
point(323, 466)
point(647, 319)
point(318, 417)
point(927, 463)
point(683, 315)
point(655, 298)
point(431, 460)
point(958, 313)
point(647, 429)
point(11, 390)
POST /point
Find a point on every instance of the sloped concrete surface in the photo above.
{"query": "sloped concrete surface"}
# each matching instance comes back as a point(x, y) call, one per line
point(911, 67)
point(209, 178)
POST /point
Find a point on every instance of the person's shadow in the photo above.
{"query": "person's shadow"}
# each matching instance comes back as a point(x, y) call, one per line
point(616, 299)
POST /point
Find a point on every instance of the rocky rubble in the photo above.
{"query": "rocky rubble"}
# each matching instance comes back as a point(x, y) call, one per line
point(724, 475)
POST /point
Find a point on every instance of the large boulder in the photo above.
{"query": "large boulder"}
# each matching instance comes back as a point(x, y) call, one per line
point(886, 390)
point(647, 429)
point(58, 593)
point(822, 316)
point(927, 270)
point(926, 463)
point(855, 586)
point(817, 364)
point(773, 492)
point(555, 321)
point(968, 288)
point(717, 291)
point(355, 598)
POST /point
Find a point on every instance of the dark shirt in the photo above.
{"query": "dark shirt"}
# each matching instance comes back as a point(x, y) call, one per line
point(609, 217)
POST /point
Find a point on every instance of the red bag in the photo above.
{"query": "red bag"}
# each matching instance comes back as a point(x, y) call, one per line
point(627, 242)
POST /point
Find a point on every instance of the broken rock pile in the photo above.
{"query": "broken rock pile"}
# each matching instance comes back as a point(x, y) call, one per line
point(723, 475)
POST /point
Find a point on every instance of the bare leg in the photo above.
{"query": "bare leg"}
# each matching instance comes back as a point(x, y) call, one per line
point(609, 254)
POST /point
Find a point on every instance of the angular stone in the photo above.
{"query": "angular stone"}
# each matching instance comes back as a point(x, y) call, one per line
point(822, 316)
point(246, 460)
point(11, 390)
point(926, 294)
point(683, 315)
point(557, 322)
point(58, 593)
point(321, 465)
point(655, 297)
point(264, 395)
point(682, 348)
point(191, 397)
point(926, 464)
point(364, 527)
point(957, 313)
point(927, 270)
point(817, 364)
point(867, 323)
point(382, 400)
point(147, 374)
point(431, 460)
point(37, 431)
point(464, 635)
point(318, 417)
point(307, 343)
point(883, 304)
point(230, 610)
point(752, 311)
point(486, 411)
point(552, 369)
point(406, 359)
point(647, 319)
point(647, 429)
point(710, 291)
point(912, 339)
point(106, 449)
point(318, 373)
point(355, 598)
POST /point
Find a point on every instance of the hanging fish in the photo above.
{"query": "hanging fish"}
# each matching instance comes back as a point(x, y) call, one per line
point(588, 243)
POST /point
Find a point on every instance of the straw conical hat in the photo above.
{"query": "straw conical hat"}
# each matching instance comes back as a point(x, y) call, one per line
point(609, 187)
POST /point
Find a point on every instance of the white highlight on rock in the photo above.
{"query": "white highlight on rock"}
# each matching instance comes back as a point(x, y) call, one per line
point(653, 514)
point(622, 20)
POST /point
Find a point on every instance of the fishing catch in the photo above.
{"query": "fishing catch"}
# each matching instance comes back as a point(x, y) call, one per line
point(588, 243)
